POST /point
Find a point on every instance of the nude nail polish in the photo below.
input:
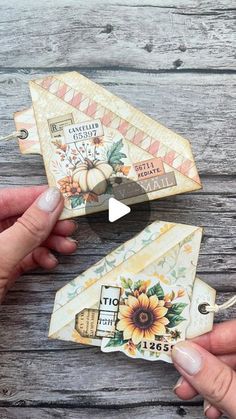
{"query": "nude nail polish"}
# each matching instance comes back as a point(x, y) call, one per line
point(187, 357)
point(49, 200)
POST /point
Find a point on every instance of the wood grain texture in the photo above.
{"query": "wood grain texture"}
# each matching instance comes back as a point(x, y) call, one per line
point(162, 412)
point(175, 60)
point(98, 379)
point(154, 35)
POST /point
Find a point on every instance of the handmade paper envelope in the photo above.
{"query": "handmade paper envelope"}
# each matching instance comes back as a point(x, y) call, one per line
point(154, 274)
point(89, 137)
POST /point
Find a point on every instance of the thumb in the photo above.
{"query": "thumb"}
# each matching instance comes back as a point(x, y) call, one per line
point(31, 229)
point(213, 379)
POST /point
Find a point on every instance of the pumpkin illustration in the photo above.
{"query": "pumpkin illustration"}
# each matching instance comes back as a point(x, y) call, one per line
point(92, 176)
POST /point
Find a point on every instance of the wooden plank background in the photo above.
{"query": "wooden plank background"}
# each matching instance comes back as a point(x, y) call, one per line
point(175, 60)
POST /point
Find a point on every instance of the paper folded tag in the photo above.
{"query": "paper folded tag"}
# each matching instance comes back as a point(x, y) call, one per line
point(88, 136)
point(140, 299)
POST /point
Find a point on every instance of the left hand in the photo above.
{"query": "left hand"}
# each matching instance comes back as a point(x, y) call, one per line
point(29, 230)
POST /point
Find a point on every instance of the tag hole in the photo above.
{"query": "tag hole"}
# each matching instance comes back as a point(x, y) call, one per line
point(23, 134)
point(202, 308)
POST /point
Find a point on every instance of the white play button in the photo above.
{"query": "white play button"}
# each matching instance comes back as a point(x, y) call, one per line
point(117, 210)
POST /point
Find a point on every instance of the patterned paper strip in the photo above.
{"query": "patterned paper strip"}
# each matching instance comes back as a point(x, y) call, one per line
point(93, 109)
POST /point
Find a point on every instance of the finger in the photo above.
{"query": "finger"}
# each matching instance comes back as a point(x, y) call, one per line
point(211, 412)
point(39, 258)
point(62, 228)
point(186, 391)
point(61, 244)
point(65, 228)
point(229, 359)
point(15, 201)
point(221, 340)
point(31, 229)
point(211, 378)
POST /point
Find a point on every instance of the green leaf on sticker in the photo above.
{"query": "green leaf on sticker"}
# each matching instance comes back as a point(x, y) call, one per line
point(177, 308)
point(156, 290)
point(117, 340)
point(115, 148)
point(114, 154)
point(137, 285)
point(77, 200)
point(175, 321)
point(126, 282)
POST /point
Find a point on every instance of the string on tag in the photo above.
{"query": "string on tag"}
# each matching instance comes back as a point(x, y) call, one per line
point(21, 134)
point(206, 308)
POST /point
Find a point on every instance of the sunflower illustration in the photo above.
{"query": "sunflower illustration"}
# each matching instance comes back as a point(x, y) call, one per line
point(142, 317)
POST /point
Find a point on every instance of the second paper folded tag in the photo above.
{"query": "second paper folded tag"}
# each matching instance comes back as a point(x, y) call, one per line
point(140, 299)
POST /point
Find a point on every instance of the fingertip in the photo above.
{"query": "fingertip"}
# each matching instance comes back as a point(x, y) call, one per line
point(211, 412)
point(61, 244)
point(65, 228)
point(44, 258)
point(70, 245)
point(178, 384)
point(184, 390)
point(51, 261)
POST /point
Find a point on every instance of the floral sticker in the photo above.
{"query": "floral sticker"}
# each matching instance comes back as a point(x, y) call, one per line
point(148, 312)
point(88, 167)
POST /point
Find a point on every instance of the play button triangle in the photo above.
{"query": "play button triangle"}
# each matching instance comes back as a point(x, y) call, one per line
point(117, 210)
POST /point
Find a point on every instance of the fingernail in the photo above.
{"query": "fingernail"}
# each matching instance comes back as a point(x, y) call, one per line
point(72, 240)
point(187, 357)
point(52, 257)
point(206, 406)
point(179, 383)
point(49, 200)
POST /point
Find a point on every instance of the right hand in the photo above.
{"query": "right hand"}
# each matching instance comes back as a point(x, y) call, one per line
point(207, 366)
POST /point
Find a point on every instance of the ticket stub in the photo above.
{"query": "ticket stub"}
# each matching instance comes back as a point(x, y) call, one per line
point(83, 131)
point(57, 124)
point(86, 322)
point(149, 168)
point(108, 309)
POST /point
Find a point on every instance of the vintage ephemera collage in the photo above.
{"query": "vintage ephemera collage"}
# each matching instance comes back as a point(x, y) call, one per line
point(89, 138)
point(144, 296)
point(140, 299)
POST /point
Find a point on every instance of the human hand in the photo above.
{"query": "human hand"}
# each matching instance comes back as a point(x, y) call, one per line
point(29, 230)
point(207, 366)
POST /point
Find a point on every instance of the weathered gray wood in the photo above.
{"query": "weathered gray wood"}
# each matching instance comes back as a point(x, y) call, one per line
point(146, 412)
point(175, 61)
point(197, 106)
point(84, 377)
point(153, 35)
